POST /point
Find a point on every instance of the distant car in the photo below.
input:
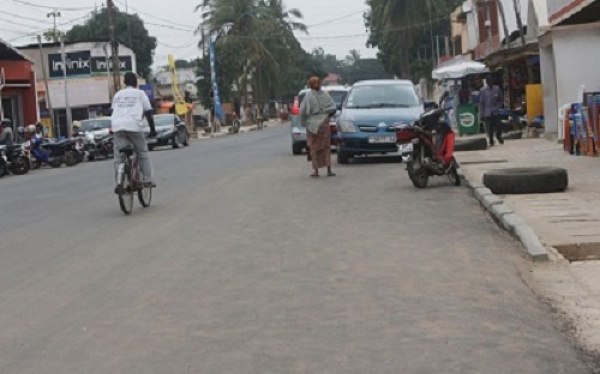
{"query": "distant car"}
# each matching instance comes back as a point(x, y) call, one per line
point(369, 111)
point(170, 129)
point(99, 130)
point(298, 133)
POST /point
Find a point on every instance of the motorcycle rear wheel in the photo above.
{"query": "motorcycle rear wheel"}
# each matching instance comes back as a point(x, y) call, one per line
point(453, 175)
point(20, 166)
point(71, 159)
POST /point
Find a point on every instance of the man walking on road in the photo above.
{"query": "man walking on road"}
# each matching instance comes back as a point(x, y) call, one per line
point(491, 100)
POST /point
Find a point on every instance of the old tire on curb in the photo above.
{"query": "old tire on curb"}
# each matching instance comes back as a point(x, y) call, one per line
point(526, 180)
point(476, 144)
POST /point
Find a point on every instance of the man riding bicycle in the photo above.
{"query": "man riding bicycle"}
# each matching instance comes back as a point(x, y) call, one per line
point(129, 107)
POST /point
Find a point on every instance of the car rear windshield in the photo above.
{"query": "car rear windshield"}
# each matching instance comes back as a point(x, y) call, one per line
point(382, 96)
point(95, 124)
point(164, 120)
point(338, 96)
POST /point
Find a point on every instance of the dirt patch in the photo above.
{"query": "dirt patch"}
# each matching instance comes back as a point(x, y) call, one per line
point(579, 251)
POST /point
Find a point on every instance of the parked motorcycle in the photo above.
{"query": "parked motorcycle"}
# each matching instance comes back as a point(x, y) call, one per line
point(13, 160)
point(105, 146)
point(514, 120)
point(54, 153)
point(428, 146)
point(85, 146)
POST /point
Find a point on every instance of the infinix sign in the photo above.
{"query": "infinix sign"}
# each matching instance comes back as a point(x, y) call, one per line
point(81, 64)
point(78, 64)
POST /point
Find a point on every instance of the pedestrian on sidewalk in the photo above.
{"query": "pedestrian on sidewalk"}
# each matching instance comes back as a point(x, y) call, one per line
point(315, 113)
point(491, 101)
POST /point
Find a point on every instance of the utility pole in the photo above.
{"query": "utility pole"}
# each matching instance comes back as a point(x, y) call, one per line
point(431, 33)
point(504, 24)
point(488, 25)
point(116, 64)
point(45, 76)
point(54, 15)
point(128, 22)
point(67, 105)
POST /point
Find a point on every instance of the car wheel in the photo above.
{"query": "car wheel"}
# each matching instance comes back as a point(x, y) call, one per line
point(526, 180)
point(296, 149)
point(186, 140)
point(150, 147)
point(175, 141)
point(343, 157)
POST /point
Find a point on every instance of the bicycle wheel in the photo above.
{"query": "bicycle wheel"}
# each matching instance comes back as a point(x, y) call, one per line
point(145, 196)
point(126, 190)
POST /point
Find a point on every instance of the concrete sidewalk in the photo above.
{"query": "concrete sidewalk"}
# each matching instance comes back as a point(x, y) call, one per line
point(567, 222)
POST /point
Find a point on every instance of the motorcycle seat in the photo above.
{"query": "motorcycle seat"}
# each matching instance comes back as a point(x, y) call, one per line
point(127, 150)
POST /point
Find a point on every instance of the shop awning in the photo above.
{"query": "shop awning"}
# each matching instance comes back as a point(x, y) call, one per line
point(503, 56)
point(459, 70)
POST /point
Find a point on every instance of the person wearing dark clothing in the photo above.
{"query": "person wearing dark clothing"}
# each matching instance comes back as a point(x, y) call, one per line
point(490, 102)
point(6, 138)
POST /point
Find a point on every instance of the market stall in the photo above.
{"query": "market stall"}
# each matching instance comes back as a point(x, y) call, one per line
point(465, 75)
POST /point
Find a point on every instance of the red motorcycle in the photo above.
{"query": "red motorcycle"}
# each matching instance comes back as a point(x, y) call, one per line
point(428, 147)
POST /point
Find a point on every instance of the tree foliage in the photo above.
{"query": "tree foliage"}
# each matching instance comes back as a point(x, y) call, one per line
point(129, 29)
point(255, 41)
point(402, 29)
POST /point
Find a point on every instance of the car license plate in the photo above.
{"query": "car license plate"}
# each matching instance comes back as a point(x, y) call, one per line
point(405, 148)
point(382, 139)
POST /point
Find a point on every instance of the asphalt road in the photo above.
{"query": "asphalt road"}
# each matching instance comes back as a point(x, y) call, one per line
point(244, 264)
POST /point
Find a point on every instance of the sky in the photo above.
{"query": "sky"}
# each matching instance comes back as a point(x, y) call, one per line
point(335, 25)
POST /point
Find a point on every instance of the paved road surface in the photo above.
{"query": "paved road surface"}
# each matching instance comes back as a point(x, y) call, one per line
point(246, 265)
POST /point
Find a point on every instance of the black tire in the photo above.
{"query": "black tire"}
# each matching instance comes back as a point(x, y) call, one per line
point(56, 163)
point(475, 144)
point(343, 157)
point(71, 159)
point(453, 176)
point(526, 180)
point(150, 148)
point(417, 175)
point(296, 149)
point(91, 158)
point(126, 193)
point(175, 142)
point(3, 169)
point(20, 166)
point(145, 196)
point(186, 140)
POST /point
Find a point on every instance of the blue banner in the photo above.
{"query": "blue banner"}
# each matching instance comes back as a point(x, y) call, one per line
point(148, 89)
point(213, 77)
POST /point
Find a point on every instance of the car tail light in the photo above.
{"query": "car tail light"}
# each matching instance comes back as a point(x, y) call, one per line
point(110, 131)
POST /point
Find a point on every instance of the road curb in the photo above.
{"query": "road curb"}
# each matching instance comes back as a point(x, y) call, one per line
point(507, 219)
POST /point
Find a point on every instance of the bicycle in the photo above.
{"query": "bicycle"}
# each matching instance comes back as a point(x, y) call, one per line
point(129, 184)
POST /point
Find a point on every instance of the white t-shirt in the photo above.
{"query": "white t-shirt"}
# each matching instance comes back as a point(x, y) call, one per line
point(129, 106)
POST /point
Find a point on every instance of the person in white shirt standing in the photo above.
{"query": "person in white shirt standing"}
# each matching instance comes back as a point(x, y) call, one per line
point(129, 107)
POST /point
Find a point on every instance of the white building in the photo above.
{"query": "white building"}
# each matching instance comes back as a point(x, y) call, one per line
point(89, 85)
point(569, 50)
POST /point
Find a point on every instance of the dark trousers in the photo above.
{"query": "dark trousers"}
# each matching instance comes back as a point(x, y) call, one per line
point(494, 126)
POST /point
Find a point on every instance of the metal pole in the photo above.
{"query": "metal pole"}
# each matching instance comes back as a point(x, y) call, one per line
point(115, 47)
point(437, 47)
point(67, 106)
point(110, 92)
point(45, 76)
point(488, 26)
point(431, 31)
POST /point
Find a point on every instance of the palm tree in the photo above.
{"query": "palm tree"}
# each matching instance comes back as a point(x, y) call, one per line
point(257, 31)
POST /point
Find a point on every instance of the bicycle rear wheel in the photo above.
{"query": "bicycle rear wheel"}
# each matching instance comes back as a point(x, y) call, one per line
point(126, 190)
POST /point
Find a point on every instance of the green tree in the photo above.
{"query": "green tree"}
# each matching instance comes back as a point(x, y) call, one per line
point(128, 27)
point(255, 39)
point(399, 28)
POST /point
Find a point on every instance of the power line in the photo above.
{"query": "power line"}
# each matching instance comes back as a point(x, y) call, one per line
point(39, 20)
point(148, 14)
point(24, 35)
point(335, 19)
point(66, 9)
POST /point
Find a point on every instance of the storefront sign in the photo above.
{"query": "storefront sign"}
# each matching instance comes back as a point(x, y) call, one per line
point(99, 64)
point(78, 64)
point(81, 64)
